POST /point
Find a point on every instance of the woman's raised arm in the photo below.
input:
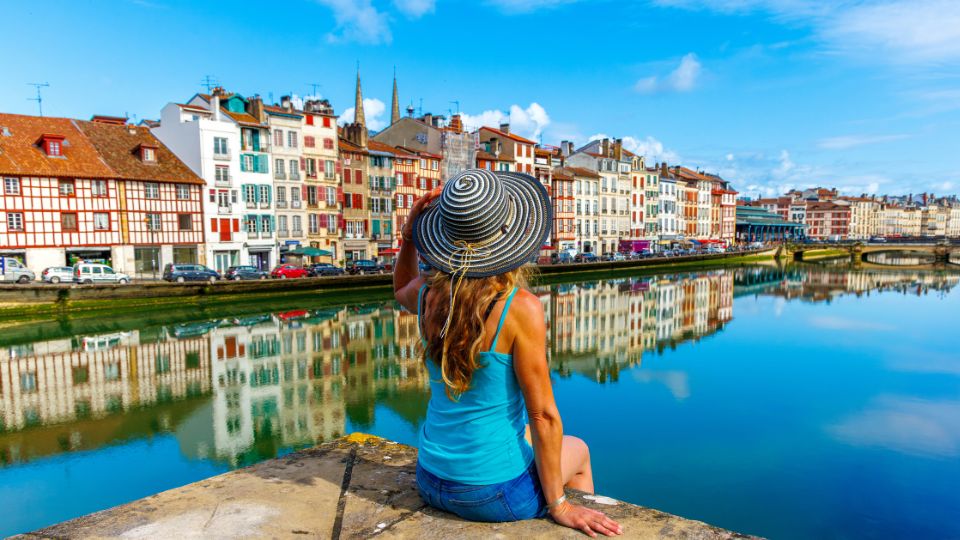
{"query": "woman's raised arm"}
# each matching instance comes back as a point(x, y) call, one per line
point(406, 272)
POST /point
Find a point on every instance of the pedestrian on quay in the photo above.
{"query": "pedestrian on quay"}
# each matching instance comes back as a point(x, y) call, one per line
point(483, 337)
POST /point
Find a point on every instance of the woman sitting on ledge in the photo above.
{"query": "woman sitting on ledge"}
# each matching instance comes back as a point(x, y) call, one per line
point(484, 345)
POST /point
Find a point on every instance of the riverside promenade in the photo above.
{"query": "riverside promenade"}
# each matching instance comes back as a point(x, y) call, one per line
point(358, 486)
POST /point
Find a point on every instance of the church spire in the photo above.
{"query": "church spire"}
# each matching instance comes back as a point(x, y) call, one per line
point(395, 114)
point(358, 116)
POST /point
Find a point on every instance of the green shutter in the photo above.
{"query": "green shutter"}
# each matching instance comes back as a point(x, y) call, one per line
point(376, 227)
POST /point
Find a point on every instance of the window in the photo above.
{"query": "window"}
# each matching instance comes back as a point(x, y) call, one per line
point(295, 196)
point(294, 169)
point(282, 224)
point(11, 186)
point(152, 221)
point(331, 196)
point(185, 222)
point(311, 167)
point(278, 137)
point(249, 163)
point(68, 221)
point(148, 153)
point(409, 201)
point(250, 193)
point(292, 139)
point(151, 190)
point(53, 148)
point(312, 195)
point(328, 142)
point(101, 221)
point(281, 195)
point(98, 188)
point(14, 221)
point(67, 188)
point(220, 146)
point(399, 200)
point(265, 194)
point(183, 191)
point(309, 142)
point(279, 167)
point(329, 169)
point(297, 224)
point(313, 222)
point(222, 173)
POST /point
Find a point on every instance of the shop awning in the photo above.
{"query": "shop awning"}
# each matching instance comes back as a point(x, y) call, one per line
point(310, 252)
point(547, 248)
point(388, 251)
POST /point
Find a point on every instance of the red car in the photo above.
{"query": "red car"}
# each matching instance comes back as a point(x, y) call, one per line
point(285, 271)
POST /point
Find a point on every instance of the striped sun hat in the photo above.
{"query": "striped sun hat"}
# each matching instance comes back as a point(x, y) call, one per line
point(484, 223)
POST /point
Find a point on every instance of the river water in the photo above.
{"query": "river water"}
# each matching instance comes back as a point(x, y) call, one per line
point(807, 402)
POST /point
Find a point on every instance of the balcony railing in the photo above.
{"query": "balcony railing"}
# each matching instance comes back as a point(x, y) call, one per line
point(266, 234)
point(223, 181)
point(295, 176)
point(223, 210)
point(224, 156)
point(281, 204)
point(251, 204)
point(264, 204)
point(279, 175)
point(296, 204)
point(283, 233)
point(298, 233)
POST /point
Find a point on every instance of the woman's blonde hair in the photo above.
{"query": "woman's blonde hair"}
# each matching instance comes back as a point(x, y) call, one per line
point(453, 330)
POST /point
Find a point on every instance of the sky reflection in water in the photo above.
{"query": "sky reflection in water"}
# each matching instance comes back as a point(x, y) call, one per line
point(806, 403)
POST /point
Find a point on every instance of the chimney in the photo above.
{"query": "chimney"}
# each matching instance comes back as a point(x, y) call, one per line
point(505, 127)
point(428, 119)
point(256, 108)
point(215, 105)
point(456, 124)
point(664, 170)
point(286, 103)
point(618, 148)
point(566, 148)
point(605, 147)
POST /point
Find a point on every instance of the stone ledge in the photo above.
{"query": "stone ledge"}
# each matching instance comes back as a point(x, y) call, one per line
point(358, 486)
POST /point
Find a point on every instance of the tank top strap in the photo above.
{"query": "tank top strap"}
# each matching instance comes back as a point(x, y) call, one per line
point(503, 317)
point(420, 293)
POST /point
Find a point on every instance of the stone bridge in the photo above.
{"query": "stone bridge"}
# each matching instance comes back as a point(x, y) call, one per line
point(942, 252)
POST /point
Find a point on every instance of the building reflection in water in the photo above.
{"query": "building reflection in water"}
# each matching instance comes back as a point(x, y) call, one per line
point(249, 388)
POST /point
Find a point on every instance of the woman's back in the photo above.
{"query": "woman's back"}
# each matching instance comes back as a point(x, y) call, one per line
point(477, 438)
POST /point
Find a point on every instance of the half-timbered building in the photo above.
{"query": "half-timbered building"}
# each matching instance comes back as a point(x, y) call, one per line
point(94, 191)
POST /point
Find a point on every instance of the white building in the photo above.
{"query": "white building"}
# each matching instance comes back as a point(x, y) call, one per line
point(227, 147)
point(667, 215)
point(289, 188)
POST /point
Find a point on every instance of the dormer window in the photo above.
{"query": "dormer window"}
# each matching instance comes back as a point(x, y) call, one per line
point(52, 145)
point(148, 154)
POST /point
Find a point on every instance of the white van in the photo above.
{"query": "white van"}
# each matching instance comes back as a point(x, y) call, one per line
point(13, 271)
point(97, 273)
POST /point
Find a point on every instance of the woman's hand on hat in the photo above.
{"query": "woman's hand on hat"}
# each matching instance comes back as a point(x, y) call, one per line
point(407, 231)
point(589, 521)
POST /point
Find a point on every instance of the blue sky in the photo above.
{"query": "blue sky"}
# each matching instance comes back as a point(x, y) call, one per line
point(772, 94)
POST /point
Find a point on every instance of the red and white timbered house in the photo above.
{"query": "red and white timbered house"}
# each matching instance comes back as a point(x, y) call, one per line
point(101, 190)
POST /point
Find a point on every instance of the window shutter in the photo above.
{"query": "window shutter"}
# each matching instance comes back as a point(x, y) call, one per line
point(303, 192)
point(236, 225)
point(309, 120)
point(303, 164)
point(213, 225)
point(358, 176)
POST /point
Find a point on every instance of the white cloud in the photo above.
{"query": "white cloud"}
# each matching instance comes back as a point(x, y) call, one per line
point(682, 79)
point(648, 147)
point(840, 323)
point(903, 31)
point(358, 21)
point(852, 141)
point(373, 113)
point(415, 8)
point(527, 122)
point(906, 425)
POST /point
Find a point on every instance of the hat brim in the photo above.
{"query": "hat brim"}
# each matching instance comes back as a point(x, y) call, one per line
point(527, 227)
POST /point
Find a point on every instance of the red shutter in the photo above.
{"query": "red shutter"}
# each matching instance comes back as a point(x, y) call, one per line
point(339, 194)
point(236, 225)
point(303, 165)
point(338, 166)
point(347, 173)
point(341, 223)
point(358, 176)
point(213, 224)
point(303, 193)
point(309, 120)
point(326, 121)
point(358, 201)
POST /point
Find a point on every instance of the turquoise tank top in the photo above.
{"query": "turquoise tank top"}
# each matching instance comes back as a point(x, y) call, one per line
point(478, 439)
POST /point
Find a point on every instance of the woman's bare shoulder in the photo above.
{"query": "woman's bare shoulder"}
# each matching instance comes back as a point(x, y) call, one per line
point(527, 305)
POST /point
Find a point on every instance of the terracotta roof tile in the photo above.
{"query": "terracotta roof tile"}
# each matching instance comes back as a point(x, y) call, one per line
point(508, 135)
point(20, 154)
point(580, 171)
point(119, 146)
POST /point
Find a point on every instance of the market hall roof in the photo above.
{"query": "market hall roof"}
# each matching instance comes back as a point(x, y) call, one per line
point(753, 215)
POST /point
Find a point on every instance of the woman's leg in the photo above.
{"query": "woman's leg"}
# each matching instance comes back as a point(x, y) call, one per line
point(574, 462)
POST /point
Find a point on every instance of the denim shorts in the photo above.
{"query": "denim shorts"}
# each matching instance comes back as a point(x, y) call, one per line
point(513, 500)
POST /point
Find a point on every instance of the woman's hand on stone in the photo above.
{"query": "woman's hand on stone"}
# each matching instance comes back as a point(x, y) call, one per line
point(407, 231)
point(584, 519)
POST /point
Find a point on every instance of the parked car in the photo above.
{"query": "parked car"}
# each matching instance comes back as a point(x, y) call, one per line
point(324, 269)
point(56, 274)
point(561, 257)
point(16, 272)
point(88, 273)
point(238, 273)
point(878, 240)
point(189, 272)
point(285, 271)
point(364, 266)
point(714, 249)
point(586, 257)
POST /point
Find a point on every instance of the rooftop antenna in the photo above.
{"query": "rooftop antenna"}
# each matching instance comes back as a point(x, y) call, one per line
point(457, 103)
point(420, 109)
point(209, 82)
point(314, 87)
point(39, 98)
